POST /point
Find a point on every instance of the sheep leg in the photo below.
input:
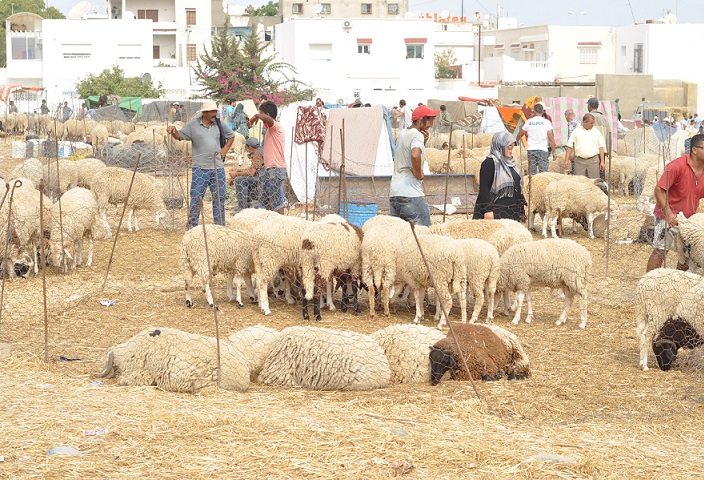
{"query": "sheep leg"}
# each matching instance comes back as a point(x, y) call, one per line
point(90, 251)
point(129, 220)
point(136, 221)
point(287, 291)
point(519, 298)
point(317, 292)
point(355, 297)
point(553, 224)
point(250, 288)
point(478, 304)
point(263, 296)
point(385, 299)
point(372, 302)
point(590, 222)
point(529, 301)
point(304, 304)
point(35, 259)
point(104, 220)
point(188, 274)
point(583, 304)
point(419, 293)
point(490, 304)
point(238, 282)
point(328, 295)
point(646, 339)
point(546, 217)
point(208, 293)
point(79, 252)
point(569, 296)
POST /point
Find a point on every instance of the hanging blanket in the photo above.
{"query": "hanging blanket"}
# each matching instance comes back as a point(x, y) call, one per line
point(310, 126)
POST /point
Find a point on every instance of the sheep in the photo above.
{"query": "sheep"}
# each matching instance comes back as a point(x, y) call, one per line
point(689, 240)
point(490, 352)
point(110, 186)
point(379, 251)
point(255, 343)
point(482, 263)
point(249, 218)
point(176, 361)
point(658, 294)
point(500, 233)
point(326, 249)
point(684, 329)
point(325, 359)
point(555, 263)
point(79, 211)
point(229, 251)
point(406, 348)
point(26, 219)
point(573, 198)
point(99, 137)
point(277, 244)
point(31, 168)
point(86, 170)
point(59, 177)
point(625, 226)
point(448, 267)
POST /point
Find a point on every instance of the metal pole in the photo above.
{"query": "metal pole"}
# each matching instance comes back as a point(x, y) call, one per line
point(447, 177)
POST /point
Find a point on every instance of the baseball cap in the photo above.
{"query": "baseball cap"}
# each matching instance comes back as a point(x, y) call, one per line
point(424, 111)
point(593, 102)
point(252, 142)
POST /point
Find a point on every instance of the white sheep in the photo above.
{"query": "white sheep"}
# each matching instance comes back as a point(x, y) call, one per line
point(329, 247)
point(255, 343)
point(110, 185)
point(229, 252)
point(379, 253)
point(482, 263)
point(176, 361)
point(689, 240)
point(554, 263)
point(502, 234)
point(99, 137)
point(25, 219)
point(658, 294)
point(406, 347)
point(249, 218)
point(490, 352)
point(684, 329)
point(86, 169)
point(325, 359)
point(79, 212)
point(31, 168)
point(59, 176)
point(573, 198)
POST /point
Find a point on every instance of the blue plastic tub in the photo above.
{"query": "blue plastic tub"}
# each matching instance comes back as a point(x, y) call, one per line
point(359, 212)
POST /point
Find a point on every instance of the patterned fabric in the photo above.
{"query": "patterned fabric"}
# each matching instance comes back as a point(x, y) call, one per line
point(558, 106)
point(310, 126)
point(503, 184)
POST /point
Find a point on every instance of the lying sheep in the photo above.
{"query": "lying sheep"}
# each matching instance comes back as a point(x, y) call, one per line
point(490, 352)
point(255, 343)
point(79, 212)
point(176, 361)
point(684, 329)
point(406, 348)
point(110, 185)
point(325, 359)
point(554, 263)
point(658, 294)
point(229, 252)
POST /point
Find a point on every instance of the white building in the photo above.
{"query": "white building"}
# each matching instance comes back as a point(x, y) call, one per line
point(547, 53)
point(292, 9)
point(377, 60)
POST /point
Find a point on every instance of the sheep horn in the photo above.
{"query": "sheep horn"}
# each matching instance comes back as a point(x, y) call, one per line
point(109, 371)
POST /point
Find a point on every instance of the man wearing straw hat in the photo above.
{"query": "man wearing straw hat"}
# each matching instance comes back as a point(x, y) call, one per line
point(406, 191)
point(208, 169)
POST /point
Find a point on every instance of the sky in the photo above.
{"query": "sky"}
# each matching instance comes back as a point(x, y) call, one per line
point(536, 12)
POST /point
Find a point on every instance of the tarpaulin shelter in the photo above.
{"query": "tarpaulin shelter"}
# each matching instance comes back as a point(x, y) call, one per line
point(160, 110)
point(558, 105)
point(456, 109)
point(110, 113)
point(6, 90)
point(131, 106)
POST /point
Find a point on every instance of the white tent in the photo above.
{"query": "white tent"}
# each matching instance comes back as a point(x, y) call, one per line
point(491, 120)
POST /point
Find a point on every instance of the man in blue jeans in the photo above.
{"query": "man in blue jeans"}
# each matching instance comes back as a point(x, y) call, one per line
point(406, 197)
point(246, 180)
point(208, 169)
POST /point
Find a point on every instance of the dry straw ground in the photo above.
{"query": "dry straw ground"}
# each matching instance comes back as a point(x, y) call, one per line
point(587, 402)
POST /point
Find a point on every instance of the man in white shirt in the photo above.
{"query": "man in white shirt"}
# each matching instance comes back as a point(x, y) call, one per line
point(540, 135)
point(406, 113)
point(588, 145)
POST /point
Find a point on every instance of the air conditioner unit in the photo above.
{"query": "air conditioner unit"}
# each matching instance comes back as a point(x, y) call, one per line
point(346, 24)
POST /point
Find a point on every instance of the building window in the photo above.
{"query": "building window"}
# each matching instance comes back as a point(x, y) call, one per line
point(156, 53)
point(190, 16)
point(366, 9)
point(414, 51)
point(623, 50)
point(363, 48)
point(588, 56)
point(638, 58)
point(325, 8)
point(191, 55)
point(320, 51)
point(392, 9)
point(129, 52)
point(26, 48)
point(152, 15)
point(297, 8)
point(76, 50)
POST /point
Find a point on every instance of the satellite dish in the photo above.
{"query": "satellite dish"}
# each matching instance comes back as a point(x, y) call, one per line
point(318, 8)
point(340, 101)
point(128, 15)
point(79, 10)
point(146, 78)
point(444, 14)
point(670, 19)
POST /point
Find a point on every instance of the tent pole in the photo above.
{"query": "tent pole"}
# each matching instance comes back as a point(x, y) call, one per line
point(447, 177)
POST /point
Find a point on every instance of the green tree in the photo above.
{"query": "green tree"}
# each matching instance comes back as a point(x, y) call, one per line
point(113, 82)
point(271, 9)
point(7, 7)
point(443, 64)
point(236, 69)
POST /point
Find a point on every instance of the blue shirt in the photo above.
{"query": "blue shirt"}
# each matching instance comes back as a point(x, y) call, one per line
point(206, 142)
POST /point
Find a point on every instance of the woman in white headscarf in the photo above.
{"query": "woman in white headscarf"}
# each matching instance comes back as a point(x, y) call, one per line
point(500, 182)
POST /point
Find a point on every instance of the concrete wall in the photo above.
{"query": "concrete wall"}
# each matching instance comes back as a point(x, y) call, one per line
point(676, 93)
point(629, 89)
point(509, 94)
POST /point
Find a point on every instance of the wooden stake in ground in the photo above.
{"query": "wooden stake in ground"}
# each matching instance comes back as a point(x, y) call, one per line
point(210, 281)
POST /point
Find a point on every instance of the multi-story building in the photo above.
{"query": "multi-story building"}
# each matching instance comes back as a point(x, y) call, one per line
point(292, 9)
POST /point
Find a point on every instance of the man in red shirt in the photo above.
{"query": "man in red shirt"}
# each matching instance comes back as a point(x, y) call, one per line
point(273, 177)
point(678, 190)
